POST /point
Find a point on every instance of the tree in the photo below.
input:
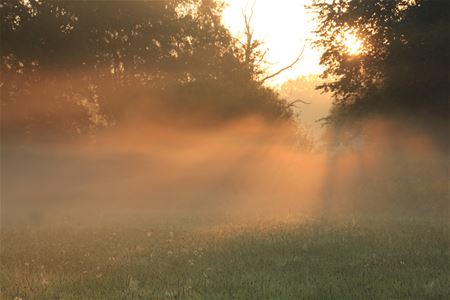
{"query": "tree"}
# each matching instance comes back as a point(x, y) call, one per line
point(76, 66)
point(402, 69)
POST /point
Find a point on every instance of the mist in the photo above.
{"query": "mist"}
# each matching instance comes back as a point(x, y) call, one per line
point(147, 154)
point(247, 168)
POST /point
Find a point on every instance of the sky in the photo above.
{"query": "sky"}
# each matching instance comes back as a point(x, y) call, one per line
point(285, 28)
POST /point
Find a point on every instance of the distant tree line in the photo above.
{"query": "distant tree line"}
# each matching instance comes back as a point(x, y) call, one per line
point(71, 67)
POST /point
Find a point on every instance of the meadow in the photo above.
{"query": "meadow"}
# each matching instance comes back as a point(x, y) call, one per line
point(150, 151)
point(204, 257)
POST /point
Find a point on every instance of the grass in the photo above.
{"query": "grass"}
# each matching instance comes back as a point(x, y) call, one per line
point(295, 258)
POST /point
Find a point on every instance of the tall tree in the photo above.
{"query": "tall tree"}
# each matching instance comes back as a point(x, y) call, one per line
point(80, 65)
point(402, 67)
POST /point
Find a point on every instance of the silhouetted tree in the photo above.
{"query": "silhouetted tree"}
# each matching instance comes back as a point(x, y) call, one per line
point(74, 66)
point(402, 69)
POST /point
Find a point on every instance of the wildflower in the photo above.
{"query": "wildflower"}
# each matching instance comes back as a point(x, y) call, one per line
point(170, 294)
point(133, 284)
point(432, 283)
point(44, 281)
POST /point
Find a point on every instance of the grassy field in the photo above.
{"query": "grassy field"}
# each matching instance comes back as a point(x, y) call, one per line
point(198, 258)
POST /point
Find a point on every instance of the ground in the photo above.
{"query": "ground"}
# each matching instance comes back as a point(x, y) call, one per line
point(293, 257)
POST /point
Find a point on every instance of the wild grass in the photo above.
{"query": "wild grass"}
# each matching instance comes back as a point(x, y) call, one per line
point(198, 258)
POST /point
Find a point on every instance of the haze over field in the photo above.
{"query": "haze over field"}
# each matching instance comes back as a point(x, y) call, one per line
point(201, 149)
point(246, 167)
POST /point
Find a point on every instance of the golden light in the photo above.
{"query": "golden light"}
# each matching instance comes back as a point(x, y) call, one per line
point(353, 45)
point(285, 28)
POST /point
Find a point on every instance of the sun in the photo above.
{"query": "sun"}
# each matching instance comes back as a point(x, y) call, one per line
point(353, 45)
point(285, 28)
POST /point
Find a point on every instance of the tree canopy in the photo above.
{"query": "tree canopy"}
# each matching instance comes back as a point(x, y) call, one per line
point(401, 70)
point(74, 66)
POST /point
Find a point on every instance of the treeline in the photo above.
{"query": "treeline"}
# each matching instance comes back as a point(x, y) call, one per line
point(72, 67)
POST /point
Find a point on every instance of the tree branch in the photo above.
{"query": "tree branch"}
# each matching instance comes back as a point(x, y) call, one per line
point(285, 68)
point(290, 104)
point(249, 31)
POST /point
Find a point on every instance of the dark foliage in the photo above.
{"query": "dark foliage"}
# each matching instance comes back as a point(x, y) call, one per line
point(403, 69)
point(76, 66)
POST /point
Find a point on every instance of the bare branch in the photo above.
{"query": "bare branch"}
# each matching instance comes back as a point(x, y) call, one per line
point(290, 104)
point(262, 57)
point(248, 32)
point(285, 68)
point(324, 119)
